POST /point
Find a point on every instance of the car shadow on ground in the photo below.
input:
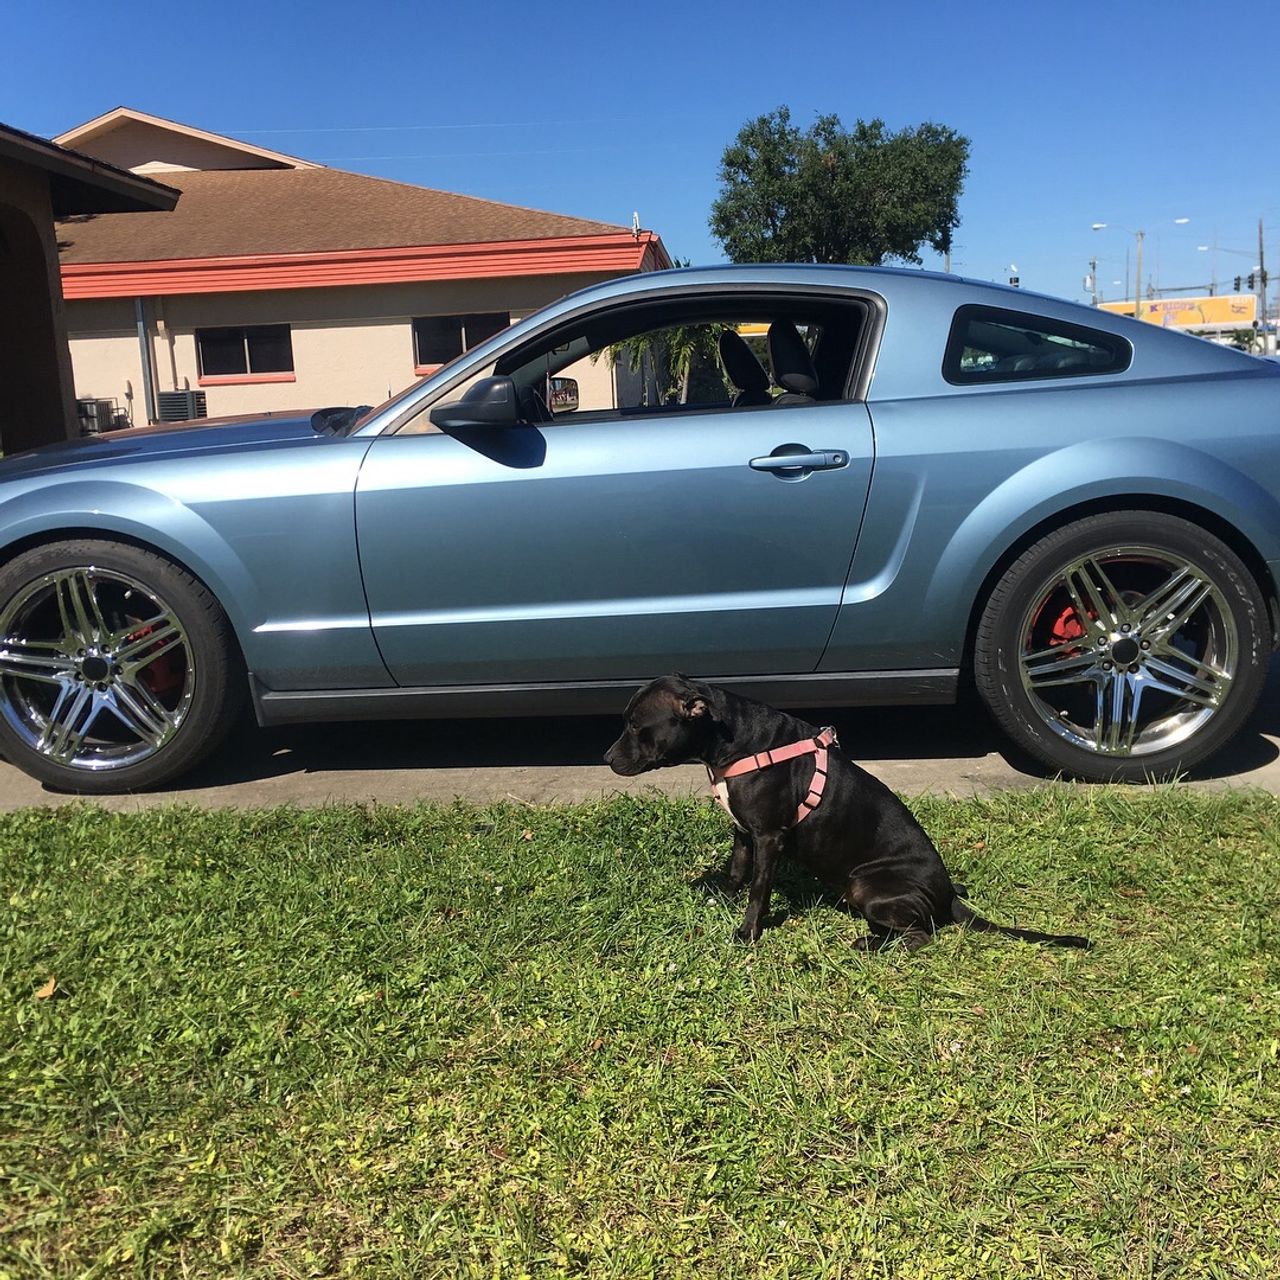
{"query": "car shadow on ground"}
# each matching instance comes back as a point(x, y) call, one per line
point(960, 732)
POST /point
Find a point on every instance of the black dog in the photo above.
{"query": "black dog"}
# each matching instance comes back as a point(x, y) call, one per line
point(857, 837)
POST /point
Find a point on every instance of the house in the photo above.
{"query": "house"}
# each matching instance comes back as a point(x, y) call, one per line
point(278, 283)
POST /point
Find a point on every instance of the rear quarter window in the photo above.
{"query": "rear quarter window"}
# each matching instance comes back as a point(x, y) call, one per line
point(991, 345)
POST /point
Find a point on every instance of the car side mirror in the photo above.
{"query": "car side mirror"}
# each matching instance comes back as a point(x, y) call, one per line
point(490, 402)
point(564, 395)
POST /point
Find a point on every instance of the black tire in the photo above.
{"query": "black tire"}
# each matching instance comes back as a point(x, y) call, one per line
point(118, 670)
point(1083, 658)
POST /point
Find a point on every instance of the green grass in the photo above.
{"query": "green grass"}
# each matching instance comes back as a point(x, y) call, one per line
point(515, 1041)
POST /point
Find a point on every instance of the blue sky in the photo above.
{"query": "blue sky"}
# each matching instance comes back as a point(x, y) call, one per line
point(1134, 114)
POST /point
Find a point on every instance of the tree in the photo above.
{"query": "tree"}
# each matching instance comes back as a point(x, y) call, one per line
point(671, 356)
point(828, 194)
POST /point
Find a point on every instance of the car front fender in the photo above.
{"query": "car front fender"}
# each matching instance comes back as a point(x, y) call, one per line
point(95, 507)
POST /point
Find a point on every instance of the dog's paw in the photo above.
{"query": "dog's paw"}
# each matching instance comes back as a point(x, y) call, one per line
point(745, 935)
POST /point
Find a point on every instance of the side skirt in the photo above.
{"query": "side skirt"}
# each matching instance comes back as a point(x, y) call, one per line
point(593, 697)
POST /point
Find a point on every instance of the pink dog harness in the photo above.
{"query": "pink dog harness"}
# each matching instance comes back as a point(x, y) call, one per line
point(816, 747)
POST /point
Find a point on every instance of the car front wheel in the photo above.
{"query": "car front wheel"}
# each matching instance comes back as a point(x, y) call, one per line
point(1123, 647)
point(117, 668)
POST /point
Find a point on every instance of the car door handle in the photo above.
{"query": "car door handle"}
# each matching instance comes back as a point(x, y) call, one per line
point(816, 460)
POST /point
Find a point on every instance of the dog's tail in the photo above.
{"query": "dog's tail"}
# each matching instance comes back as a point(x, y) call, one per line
point(966, 916)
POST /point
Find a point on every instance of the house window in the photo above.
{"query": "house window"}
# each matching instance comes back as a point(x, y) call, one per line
point(439, 339)
point(259, 348)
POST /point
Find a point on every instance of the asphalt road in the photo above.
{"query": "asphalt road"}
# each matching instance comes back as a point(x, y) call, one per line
point(945, 750)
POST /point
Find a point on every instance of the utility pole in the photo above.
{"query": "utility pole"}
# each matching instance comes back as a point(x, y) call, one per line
point(1262, 290)
point(1137, 292)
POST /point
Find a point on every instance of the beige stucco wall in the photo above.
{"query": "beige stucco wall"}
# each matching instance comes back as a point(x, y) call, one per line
point(350, 345)
point(105, 357)
point(596, 388)
point(147, 148)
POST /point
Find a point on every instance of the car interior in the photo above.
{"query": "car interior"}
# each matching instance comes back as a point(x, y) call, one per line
point(995, 351)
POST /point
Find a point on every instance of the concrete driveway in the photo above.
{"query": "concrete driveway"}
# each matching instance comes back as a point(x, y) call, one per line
point(947, 750)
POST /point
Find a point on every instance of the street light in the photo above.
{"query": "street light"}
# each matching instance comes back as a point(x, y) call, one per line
point(1137, 280)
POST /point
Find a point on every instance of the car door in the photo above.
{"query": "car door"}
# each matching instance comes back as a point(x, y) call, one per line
point(614, 549)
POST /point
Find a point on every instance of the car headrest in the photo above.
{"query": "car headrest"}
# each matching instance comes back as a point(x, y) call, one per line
point(740, 363)
point(792, 365)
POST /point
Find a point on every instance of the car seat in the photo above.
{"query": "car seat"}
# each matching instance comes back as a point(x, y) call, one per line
point(793, 367)
point(750, 381)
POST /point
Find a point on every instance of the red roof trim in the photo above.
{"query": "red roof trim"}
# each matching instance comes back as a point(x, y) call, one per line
point(615, 252)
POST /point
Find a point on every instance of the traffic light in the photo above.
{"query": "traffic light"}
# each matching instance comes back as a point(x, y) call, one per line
point(1251, 282)
point(1237, 288)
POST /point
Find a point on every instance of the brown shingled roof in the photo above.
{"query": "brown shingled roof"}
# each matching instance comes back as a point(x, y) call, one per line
point(240, 212)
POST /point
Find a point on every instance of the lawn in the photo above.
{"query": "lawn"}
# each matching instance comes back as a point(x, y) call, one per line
point(519, 1041)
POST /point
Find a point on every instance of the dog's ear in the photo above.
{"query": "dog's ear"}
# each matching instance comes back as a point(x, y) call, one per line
point(694, 707)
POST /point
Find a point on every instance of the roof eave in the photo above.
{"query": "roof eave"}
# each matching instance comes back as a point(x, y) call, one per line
point(81, 184)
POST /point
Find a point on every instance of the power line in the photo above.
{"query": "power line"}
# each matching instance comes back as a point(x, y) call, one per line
point(423, 128)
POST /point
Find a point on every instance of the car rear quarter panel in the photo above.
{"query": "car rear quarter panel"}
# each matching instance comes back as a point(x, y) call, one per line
point(962, 474)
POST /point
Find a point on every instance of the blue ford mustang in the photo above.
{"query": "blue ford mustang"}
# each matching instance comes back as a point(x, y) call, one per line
point(819, 485)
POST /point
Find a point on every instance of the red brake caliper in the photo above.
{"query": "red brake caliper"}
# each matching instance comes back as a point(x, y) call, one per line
point(163, 675)
point(1067, 627)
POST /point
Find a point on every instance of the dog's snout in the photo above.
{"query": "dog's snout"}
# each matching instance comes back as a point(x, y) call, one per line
point(621, 757)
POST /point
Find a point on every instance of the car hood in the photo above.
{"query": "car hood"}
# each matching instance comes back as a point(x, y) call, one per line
point(163, 440)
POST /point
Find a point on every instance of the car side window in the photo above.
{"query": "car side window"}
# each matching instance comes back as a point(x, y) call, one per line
point(697, 365)
point(656, 358)
point(991, 345)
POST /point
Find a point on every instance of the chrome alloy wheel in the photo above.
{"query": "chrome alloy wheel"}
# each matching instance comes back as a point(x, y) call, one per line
point(96, 670)
point(1128, 651)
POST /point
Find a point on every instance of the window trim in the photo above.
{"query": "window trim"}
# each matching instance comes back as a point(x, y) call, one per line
point(1121, 348)
point(242, 379)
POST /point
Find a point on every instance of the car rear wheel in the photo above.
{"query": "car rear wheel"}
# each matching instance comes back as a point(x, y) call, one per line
point(118, 670)
point(1123, 647)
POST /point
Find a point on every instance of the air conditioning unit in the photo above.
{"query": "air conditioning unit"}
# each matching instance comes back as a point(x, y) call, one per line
point(181, 406)
point(95, 416)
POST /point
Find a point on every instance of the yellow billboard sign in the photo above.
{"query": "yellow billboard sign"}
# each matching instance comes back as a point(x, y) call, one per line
point(1219, 311)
